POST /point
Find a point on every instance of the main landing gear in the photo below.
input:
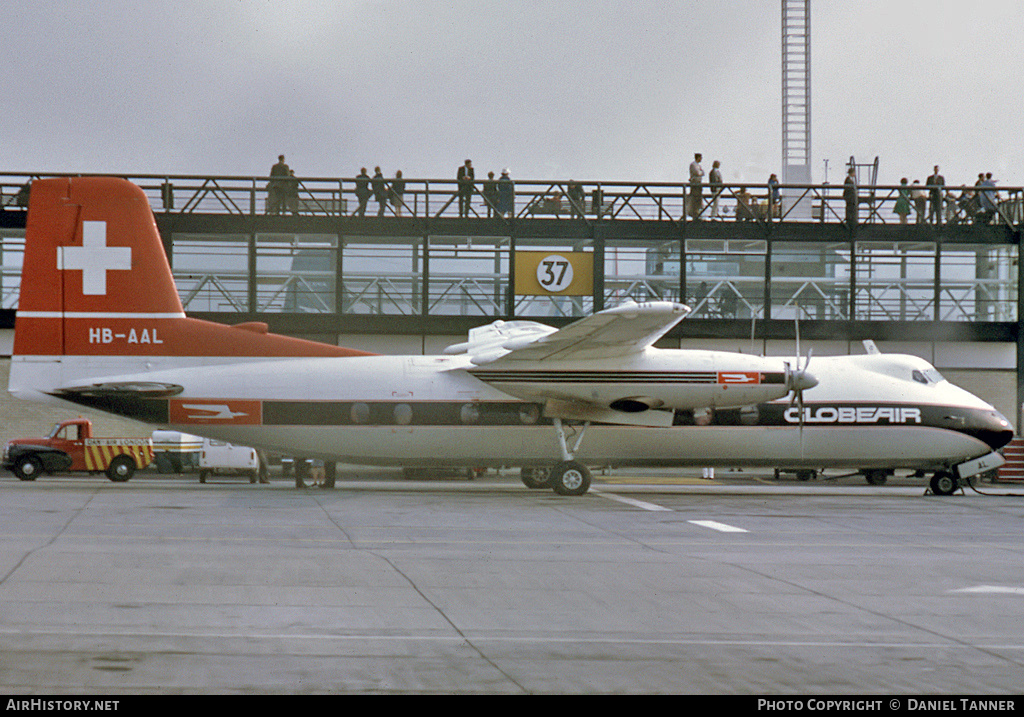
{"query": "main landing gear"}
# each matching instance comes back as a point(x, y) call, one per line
point(568, 477)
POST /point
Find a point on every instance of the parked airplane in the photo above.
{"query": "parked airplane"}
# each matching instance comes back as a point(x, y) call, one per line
point(100, 324)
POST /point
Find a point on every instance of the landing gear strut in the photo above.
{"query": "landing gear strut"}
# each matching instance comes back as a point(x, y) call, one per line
point(570, 477)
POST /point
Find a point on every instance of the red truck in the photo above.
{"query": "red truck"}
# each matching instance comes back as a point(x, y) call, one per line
point(71, 447)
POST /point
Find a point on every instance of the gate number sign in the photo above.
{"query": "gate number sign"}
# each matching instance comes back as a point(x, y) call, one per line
point(541, 273)
point(554, 273)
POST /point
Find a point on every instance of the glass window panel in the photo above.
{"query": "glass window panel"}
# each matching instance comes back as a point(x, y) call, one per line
point(12, 251)
point(211, 271)
point(725, 278)
point(296, 273)
point(381, 275)
point(468, 275)
point(641, 270)
point(895, 281)
point(979, 282)
point(810, 280)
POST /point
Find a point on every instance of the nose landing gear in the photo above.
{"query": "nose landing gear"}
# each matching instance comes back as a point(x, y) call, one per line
point(944, 483)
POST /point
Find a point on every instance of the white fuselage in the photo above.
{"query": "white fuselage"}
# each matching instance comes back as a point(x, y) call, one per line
point(865, 412)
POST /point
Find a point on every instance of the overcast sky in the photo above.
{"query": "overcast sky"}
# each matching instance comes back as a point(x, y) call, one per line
point(598, 89)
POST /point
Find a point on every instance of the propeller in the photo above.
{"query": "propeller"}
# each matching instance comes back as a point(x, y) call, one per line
point(798, 380)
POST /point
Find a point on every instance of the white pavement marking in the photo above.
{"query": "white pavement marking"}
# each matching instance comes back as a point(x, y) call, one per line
point(633, 502)
point(715, 525)
point(992, 590)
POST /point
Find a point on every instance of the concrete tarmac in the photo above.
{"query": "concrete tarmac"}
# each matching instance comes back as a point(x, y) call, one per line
point(654, 582)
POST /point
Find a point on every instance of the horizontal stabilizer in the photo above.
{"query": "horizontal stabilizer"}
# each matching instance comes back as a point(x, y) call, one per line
point(141, 389)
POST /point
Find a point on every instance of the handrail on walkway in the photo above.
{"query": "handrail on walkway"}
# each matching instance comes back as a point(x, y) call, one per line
point(589, 201)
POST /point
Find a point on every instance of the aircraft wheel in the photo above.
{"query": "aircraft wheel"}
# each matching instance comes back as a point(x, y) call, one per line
point(570, 478)
point(121, 469)
point(876, 477)
point(28, 468)
point(806, 475)
point(535, 476)
point(944, 483)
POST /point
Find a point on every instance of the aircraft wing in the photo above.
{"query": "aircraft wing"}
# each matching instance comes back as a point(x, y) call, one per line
point(620, 331)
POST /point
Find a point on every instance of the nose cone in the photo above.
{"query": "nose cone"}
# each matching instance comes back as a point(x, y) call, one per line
point(995, 430)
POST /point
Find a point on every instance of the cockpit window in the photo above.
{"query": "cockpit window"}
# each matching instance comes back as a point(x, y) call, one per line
point(928, 376)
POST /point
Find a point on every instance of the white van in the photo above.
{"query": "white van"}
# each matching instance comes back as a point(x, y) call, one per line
point(222, 458)
point(176, 452)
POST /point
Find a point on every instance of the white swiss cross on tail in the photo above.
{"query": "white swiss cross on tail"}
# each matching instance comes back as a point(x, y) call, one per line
point(94, 258)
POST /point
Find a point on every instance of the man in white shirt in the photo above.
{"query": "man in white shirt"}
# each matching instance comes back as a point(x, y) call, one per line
point(696, 175)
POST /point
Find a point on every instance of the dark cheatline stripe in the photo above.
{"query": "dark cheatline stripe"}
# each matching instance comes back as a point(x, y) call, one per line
point(985, 425)
point(597, 376)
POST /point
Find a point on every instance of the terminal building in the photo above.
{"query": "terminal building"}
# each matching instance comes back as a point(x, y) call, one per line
point(761, 271)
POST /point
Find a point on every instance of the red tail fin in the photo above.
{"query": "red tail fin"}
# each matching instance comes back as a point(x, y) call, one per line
point(96, 282)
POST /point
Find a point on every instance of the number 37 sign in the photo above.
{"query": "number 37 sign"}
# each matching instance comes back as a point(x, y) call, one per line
point(567, 273)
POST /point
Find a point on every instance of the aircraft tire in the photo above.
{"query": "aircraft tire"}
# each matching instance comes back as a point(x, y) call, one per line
point(534, 477)
point(28, 468)
point(121, 469)
point(944, 483)
point(570, 478)
point(876, 477)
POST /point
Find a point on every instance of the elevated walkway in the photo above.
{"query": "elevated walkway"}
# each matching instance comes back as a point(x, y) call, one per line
point(316, 265)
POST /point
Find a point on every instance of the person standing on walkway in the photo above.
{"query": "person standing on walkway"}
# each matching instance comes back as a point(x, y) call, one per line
point(936, 188)
point(363, 193)
point(276, 189)
point(715, 179)
point(850, 196)
point(380, 191)
point(465, 177)
point(696, 177)
point(902, 207)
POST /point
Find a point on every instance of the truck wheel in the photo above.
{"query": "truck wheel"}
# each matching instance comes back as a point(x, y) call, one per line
point(28, 468)
point(121, 469)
